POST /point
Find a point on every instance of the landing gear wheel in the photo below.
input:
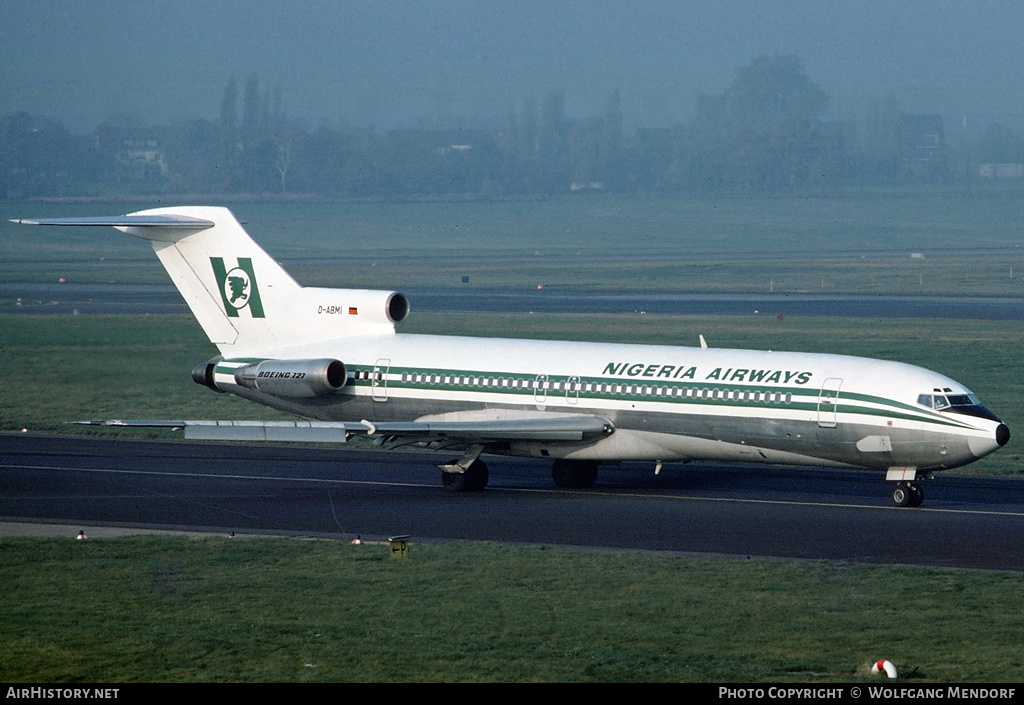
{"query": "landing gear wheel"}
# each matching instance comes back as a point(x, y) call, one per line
point(574, 473)
point(907, 494)
point(473, 479)
point(901, 495)
point(917, 495)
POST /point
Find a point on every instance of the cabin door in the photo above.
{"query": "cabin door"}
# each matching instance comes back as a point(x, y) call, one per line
point(572, 390)
point(379, 380)
point(540, 389)
point(828, 402)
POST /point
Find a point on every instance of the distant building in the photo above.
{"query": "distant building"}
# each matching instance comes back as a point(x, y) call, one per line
point(138, 152)
point(922, 143)
point(586, 186)
point(1001, 171)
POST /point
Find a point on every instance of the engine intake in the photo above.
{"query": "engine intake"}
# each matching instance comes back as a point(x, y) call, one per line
point(203, 374)
point(294, 378)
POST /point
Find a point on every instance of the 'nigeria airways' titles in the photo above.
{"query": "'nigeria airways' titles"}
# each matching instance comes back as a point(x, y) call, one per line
point(332, 358)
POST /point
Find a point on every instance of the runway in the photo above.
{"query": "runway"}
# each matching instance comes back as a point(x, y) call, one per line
point(740, 511)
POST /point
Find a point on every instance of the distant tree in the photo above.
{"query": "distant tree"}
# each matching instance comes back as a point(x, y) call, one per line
point(527, 123)
point(254, 114)
point(284, 147)
point(766, 91)
point(507, 156)
point(258, 155)
point(277, 116)
point(882, 149)
point(192, 151)
point(999, 145)
point(551, 144)
point(229, 133)
point(763, 129)
point(39, 157)
point(611, 143)
point(586, 139)
point(835, 162)
point(525, 171)
point(552, 123)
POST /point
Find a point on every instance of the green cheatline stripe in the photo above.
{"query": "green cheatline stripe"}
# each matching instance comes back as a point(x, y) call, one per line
point(891, 408)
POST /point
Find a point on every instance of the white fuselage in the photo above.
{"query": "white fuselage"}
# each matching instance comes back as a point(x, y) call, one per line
point(666, 403)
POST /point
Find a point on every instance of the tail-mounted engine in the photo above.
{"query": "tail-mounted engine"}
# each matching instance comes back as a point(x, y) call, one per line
point(356, 307)
point(282, 378)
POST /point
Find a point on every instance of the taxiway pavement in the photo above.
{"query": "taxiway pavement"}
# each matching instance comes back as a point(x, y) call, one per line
point(77, 482)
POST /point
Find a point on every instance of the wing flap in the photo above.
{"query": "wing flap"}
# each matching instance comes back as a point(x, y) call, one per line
point(277, 431)
point(576, 428)
point(545, 427)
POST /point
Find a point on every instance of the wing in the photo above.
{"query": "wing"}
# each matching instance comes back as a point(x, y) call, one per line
point(565, 428)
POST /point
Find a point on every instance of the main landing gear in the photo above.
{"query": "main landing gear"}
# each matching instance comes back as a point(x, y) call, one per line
point(574, 473)
point(907, 494)
point(470, 474)
point(471, 479)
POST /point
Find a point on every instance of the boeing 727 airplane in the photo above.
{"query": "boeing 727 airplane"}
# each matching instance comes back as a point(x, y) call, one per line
point(332, 358)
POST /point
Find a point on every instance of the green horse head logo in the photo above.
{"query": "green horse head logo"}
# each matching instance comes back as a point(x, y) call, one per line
point(238, 288)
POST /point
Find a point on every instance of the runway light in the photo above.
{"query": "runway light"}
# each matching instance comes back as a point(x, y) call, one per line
point(883, 666)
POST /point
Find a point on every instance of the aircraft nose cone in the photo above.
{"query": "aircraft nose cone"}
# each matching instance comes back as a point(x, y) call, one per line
point(980, 447)
point(1002, 434)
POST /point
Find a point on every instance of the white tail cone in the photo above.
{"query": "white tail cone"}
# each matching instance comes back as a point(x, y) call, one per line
point(883, 666)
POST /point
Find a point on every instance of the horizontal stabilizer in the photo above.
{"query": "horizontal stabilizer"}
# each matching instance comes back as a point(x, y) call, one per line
point(125, 221)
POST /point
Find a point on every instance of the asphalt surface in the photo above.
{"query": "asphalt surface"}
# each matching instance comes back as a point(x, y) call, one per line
point(58, 485)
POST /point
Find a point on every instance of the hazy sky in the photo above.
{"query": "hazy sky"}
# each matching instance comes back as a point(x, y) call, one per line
point(387, 62)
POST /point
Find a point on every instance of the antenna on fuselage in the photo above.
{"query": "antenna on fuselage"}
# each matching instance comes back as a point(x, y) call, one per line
point(703, 343)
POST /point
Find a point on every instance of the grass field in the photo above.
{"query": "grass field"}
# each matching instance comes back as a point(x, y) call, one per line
point(158, 609)
point(859, 244)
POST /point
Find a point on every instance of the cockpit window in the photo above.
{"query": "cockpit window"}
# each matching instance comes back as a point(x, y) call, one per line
point(933, 401)
point(939, 402)
point(956, 403)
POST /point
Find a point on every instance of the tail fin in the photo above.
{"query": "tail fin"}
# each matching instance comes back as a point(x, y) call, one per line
point(244, 300)
point(215, 269)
